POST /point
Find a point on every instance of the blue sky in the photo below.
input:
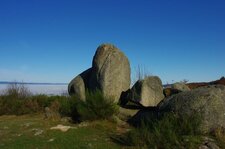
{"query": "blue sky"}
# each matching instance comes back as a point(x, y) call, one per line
point(53, 41)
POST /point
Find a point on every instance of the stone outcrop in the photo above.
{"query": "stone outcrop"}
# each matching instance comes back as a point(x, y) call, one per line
point(147, 92)
point(207, 101)
point(180, 86)
point(110, 73)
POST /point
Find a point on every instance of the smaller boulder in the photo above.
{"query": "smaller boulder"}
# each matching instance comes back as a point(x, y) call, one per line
point(147, 92)
point(78, 85)
point(180, 86)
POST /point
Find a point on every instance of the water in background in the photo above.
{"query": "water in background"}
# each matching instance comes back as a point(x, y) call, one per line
point(42, 89)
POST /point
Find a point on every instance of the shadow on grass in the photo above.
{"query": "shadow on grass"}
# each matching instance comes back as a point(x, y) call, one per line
point(120, 140)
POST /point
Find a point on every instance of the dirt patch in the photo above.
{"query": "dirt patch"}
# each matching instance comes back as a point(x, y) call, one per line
point(62, 128)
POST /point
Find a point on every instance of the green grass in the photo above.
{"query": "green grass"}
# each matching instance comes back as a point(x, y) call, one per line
point(170, 131)
point(166, 132)
point(18, 132)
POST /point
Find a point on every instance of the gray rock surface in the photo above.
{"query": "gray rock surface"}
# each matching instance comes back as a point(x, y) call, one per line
point(208, 101)
point(111, 71)
point(79, 84)
point(180, 86)
point(148, 92)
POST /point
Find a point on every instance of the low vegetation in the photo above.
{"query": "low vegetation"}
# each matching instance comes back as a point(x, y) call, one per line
point(168, 131)
point(219, 135)
point(15, 105)
point(96, 106)
point(17, 100)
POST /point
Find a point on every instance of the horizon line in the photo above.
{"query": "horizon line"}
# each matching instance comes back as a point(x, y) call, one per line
point(31, 83)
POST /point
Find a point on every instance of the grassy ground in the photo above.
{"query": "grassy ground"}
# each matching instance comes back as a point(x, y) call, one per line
point(33, 132)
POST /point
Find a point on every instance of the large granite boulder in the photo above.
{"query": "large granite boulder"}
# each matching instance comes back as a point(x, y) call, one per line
point(110, 73)
point(148, 92)
point(208, 102)
point(180, 86)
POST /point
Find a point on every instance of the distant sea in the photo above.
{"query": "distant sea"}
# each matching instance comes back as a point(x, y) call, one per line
point(40, 88)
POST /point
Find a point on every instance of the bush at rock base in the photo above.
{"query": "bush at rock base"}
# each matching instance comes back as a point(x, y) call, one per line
point(96, 106)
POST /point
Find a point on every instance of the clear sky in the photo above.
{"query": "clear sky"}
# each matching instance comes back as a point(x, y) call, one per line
point(55, 40)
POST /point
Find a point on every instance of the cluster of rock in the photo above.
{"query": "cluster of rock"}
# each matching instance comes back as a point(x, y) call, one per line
point(110, 73)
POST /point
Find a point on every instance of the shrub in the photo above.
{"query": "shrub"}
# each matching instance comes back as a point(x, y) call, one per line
point(28, 106)
point(17, 91)
point(96, 106)
point(9, 106)
point(13, 102)
point(62, 104)
point(42, 100)
point(18, 107)
point(17, 100)
point(171, 131)
point(55, 106)
point(67, 106)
